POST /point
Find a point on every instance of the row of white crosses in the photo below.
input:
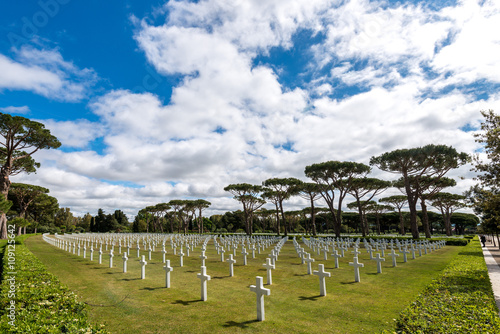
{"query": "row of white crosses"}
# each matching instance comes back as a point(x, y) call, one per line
point(68, 241)
point(344, 244)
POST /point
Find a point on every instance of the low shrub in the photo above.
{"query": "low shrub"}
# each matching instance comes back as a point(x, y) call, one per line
point(32, 300)
point(459, 301)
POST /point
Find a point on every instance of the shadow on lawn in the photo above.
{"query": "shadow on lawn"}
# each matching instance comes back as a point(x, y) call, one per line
point(243, 324)
point(313, 298)
point(152, 289)
point(186, 302)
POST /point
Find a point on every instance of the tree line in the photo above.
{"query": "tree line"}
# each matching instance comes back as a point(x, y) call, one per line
point(422, 179)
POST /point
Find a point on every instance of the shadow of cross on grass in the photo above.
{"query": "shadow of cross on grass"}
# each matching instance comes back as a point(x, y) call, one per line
point(186, 302)
point(243, 324)
point(313, 298)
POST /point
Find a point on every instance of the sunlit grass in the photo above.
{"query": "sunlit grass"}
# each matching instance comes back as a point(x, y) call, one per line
point(128, 304)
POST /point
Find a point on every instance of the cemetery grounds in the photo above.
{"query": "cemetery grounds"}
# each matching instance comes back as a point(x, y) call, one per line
point(125, 303)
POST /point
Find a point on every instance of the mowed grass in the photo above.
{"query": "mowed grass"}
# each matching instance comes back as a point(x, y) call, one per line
point(128, 304)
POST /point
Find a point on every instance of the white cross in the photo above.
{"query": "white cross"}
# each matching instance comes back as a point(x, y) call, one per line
point(309, 260)
point(337, 256)
point(231, 261)
point(111, 255)
point(222, 251)
point(268, 265)
point(203, 258)
point(100, 255)
point(356, 252)
point(260, 291)
point(321, 273)
point(125, 259)
point(273, 256)
point(164, 251)
point(356, 266)
point(405, 251)
point(244, 253)
point(379, 263)
point(181, 257)
point(325, 252)
point(412, 250)
point(143, 267)
point(393, 255)
point(204, 278)
point(370, 251)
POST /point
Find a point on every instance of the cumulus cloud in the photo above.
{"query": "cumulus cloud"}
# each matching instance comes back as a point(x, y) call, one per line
point(230, 120)
point(76, 134)
point(46, 73)
point(16, 110)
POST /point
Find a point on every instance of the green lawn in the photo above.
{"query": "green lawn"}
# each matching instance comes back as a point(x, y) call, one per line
point(127, 304)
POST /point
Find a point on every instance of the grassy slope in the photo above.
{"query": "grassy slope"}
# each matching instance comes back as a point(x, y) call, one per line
point(128, 304)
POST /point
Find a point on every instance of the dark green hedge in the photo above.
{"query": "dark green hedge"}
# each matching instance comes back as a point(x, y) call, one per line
point(460, 301)
point(42, 304)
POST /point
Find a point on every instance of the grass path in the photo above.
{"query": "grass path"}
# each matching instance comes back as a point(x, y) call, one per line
point(127, 304)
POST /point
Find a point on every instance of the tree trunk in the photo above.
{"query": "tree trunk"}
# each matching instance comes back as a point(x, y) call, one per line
point(412, 205)
point(401, 223)
point(377, 219)
point(425, 218)
point(313, 218)
point(361, 222)
point(278, 227)
point(284, 219)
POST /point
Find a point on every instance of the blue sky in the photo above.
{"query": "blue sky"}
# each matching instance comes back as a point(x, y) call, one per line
point(156, 100)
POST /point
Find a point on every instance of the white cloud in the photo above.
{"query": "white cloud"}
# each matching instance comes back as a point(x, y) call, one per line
point(230, 121)
point(16, 110)
point(45, 73)
point(76, 134)
point(472, 53)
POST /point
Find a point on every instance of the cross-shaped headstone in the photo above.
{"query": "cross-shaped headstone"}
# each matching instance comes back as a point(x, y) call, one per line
point(260, 291)
point(181, 258)
point(167, 269)
point(204, 278)
point(273, 256)
point(337, 256)
point(412, 250)
point(203, 257)
point(164, 252)
point(143, 267)
point(244, 253)
point(405, 251)
point(111, 255)
point(356, 266)
point(268, 265)
point(125, 259)
point(309, 261)
point(370, 251)
point(222, 251)
point(321, 273)
point(356, 252)
point(379, 263)
point(231, 262)
point(394, 256)
point(91, 254)
point(100, 255)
